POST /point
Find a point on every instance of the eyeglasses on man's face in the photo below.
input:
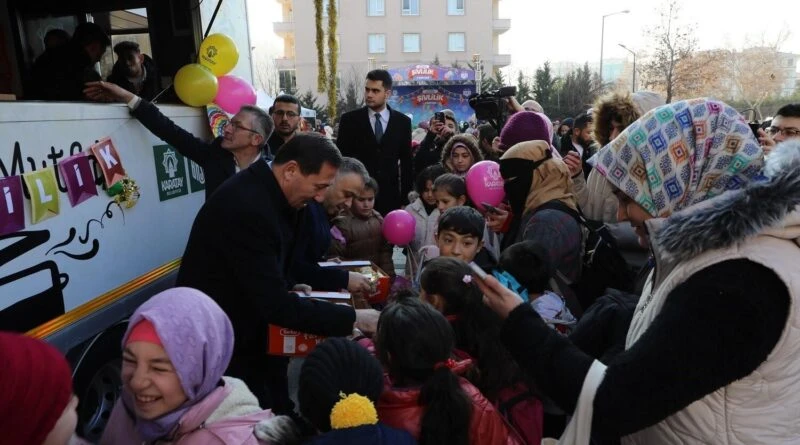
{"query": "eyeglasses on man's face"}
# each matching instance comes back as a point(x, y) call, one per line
point(786, 132)
point(238, 126)
point(283, 113)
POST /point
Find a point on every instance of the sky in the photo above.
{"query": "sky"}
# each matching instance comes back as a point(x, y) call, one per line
point(570, 30)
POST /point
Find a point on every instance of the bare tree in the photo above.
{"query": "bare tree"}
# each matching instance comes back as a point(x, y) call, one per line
point(756, 72)
point(266, 73)
point(668, 68)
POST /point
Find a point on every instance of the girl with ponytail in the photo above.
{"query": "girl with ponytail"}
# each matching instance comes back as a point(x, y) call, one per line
point(446, 283)
point(424, 393)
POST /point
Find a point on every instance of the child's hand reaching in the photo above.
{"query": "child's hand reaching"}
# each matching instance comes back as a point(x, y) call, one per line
point(497, 297)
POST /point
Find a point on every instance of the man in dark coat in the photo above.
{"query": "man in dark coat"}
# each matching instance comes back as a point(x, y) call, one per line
point(134, 71)
point(285, 112)
point(60, 73)
point(380, 138)
point(240, 253)
point(313, 245)
point(241, 144)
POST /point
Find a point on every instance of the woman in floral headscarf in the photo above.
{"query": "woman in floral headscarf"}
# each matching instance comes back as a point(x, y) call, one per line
point(712, 351)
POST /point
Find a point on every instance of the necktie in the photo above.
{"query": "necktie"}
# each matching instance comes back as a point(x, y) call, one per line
point(378, 128)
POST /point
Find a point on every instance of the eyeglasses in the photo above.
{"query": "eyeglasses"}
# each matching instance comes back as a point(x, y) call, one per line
point(238, 126)
point(282, 113)
point(787, 132)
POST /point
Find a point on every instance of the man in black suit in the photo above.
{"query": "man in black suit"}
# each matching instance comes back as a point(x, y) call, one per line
point(380, 138)
point(242, 142)
point(240, 253)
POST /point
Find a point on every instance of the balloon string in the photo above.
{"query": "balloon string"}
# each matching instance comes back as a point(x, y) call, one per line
point(213, 17)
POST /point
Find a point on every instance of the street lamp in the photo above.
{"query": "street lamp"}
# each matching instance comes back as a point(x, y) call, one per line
point(478, 64)
point(633, 84)
point(602, 35)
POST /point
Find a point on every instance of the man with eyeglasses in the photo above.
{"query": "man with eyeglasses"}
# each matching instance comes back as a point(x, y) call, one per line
point(285, 112)
point(242, 141)
point(785, 125)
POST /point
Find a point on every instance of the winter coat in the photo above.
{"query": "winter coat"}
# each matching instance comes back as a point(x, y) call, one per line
point(424, 232)
point(751, 224)
point(362, 239)
point(596, 197)
point(398, 407)
point(227, 416)
point(379, 434)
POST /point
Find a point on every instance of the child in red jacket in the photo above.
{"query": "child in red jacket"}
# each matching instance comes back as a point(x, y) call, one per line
point(423, 392)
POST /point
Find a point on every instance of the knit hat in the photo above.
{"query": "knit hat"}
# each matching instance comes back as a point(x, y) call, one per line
point(334, 368)
point(36, 384)
point(526, 126)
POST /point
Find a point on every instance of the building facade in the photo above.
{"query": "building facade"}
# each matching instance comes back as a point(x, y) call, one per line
point(389, 33)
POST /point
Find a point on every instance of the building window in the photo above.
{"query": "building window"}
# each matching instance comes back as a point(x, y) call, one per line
point(456, 42)
point(287, 81)
point(377, 43)
point(410, 7)
point(455, 7)
point(376, 7)
point(410, 43)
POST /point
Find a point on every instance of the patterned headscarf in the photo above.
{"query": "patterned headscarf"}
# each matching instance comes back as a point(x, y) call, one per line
point(680, 154)
point(198, 338)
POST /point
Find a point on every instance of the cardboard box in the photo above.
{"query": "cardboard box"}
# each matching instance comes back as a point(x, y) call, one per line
point(380, 280)
point(291, 343)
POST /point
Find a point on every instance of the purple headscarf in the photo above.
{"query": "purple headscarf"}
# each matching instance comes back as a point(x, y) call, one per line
point(524, 126)
point(198, 338)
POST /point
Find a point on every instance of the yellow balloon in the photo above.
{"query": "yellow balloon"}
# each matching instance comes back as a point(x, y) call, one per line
point(195, 85)
point(219, 54)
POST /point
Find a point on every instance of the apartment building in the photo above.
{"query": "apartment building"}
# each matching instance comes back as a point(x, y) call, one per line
point(390, 33)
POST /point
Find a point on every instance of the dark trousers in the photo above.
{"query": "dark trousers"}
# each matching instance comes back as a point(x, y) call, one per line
point(266, 376)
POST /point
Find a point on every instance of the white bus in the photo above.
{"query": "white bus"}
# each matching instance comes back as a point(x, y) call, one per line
point(73, 277)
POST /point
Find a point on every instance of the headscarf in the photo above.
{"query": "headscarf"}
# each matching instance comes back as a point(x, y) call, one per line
point(198, 338)
point(540, 178)
point(460, 140)
point(680, 154)
point(527, 126)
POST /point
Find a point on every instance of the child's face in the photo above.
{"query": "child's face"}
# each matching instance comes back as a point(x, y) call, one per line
point(364, 203)
point(445, 200)
point(461, 159)
point(463, 247)
point(427, 195)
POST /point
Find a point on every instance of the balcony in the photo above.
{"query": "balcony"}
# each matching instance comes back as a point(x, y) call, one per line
point(283, 28)
point(284, 63)
point(501, 60)
point(500, 26)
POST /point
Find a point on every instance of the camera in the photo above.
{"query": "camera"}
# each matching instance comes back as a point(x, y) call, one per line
point(492, 106)
point(438, 116)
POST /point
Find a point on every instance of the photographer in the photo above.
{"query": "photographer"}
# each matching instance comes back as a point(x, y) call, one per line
point(442, 127)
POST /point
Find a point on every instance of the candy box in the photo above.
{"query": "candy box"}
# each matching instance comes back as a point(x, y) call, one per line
point(379, 280)
point(288, 342)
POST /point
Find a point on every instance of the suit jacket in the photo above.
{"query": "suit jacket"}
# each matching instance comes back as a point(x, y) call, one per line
point(218, 164)
point(312, 246)
point(239, 252)
point(357, 139)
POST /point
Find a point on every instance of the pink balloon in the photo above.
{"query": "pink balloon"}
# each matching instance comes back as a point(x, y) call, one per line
point(233, 93)
point(398, 227)
point(484, 184)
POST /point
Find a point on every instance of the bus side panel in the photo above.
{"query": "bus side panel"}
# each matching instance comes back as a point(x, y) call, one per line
point(62, 262)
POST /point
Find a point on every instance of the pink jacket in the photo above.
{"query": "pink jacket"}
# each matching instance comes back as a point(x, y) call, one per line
point(227, 416)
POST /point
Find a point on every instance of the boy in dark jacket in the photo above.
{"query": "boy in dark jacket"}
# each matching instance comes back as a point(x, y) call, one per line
point(134, 71)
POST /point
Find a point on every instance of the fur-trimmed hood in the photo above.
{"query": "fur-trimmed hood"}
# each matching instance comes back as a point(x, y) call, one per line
point(771, 207)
